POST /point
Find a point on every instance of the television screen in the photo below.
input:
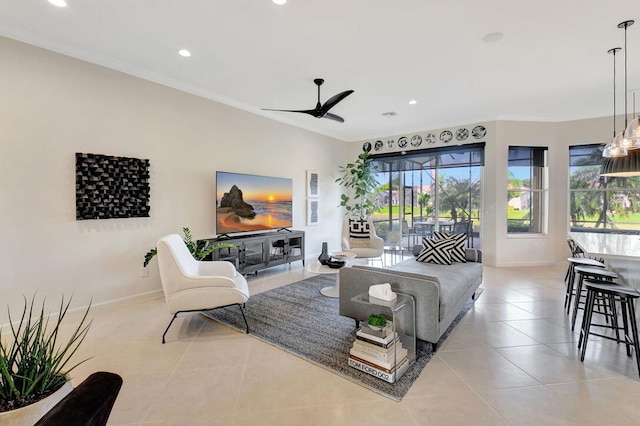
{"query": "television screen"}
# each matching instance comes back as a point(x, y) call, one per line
point(251, 203)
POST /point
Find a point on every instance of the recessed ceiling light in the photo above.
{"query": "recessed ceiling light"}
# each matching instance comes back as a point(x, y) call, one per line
point(59, 3)
point(389, 114)
point(493, 37)
point(280, 2)
point(184, 52)
point(413, 102)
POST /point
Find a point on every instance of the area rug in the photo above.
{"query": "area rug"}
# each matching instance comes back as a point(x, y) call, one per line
point(299, 320)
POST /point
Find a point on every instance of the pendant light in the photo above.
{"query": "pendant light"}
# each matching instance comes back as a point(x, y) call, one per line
point(633, 130)
point(628, 165)
point(626, 142)
point(614, 148)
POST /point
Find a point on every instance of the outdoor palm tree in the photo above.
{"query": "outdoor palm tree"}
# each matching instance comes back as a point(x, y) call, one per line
point(459, 194)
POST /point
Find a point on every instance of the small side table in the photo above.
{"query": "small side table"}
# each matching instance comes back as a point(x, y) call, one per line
point(394, 251)
point(403, 315)
point(317, 268)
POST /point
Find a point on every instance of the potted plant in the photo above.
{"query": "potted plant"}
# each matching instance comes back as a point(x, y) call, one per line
point(360, 177)
point(35, 362)
point(199, 249)
point(377, 322)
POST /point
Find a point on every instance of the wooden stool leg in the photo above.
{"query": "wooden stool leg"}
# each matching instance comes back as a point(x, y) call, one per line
point(569, 294)
point(614, 315)
point(634, 330)
point(625, 325)
point(586, 321)
point(571, 285)
point(576, 302)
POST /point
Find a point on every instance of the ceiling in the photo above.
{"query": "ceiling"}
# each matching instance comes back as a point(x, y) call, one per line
point(551, 64)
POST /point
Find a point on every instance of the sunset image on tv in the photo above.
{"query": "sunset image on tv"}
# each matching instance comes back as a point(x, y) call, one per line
point(251, 202)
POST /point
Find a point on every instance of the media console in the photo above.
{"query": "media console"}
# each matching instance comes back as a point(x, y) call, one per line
point(253, 252)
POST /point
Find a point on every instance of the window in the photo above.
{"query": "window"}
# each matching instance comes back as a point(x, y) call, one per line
point(527, 190)
point(607, 204)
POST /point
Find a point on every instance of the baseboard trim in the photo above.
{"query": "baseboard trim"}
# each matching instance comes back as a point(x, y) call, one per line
point(138, 298)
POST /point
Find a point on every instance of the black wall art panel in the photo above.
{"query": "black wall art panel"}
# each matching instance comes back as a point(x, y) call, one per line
point(111, 187)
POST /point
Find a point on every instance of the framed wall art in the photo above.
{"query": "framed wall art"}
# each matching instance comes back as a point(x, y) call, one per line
point(110, 187)
point(313, 185)
point(312, 211)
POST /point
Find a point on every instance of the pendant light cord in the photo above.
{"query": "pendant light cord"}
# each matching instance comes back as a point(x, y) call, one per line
point(626, 95)
point(625, 25)
point(614, 92)
point(613, 52)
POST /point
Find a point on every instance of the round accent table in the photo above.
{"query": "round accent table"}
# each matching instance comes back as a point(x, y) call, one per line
point(317, 268)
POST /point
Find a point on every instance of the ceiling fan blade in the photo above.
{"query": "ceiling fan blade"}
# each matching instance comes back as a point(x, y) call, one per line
point(320, 111)
point(335, 99)
point(303, 111)
point(333, 117)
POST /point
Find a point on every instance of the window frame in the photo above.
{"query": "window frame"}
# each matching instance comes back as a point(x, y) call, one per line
point(537, 193)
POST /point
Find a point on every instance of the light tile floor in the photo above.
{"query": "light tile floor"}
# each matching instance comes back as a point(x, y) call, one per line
point(512, 360)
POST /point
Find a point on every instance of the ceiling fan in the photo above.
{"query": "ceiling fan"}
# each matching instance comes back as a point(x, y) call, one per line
point(321, 110)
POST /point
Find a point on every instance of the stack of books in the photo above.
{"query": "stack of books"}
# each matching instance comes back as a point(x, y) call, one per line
point(379, 352)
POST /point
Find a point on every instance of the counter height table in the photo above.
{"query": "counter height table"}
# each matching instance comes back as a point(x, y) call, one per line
point(621, 253)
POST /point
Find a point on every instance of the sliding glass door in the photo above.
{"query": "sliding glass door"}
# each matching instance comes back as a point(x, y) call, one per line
point(431, 190)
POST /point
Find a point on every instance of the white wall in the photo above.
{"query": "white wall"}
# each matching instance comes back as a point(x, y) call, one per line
point(52, 106)
point(500, 249)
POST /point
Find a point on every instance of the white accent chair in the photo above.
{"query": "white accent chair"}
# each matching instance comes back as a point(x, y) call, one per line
point(375, 247)
point(192, 286)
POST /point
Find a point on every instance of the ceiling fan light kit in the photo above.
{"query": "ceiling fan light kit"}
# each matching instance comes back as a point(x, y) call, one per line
point(321, 110)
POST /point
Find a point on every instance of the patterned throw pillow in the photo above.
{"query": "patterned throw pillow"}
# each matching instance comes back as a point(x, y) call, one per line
point(359, 234)
point(457, 252)
point(436, 251)
point(359, 228)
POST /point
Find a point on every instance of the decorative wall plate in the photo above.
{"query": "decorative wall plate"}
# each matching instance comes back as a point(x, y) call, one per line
point(446, 136)
point(479, 132)
point(403, 141)
point(430, 138)
point(378, 145)
point(462, 134)
point(366, 147)
point(416, 140)
point(390, 143)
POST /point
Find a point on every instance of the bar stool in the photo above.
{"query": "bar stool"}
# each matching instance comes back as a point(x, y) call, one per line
point(570, 276)
point(588, 272)
point(616, 293)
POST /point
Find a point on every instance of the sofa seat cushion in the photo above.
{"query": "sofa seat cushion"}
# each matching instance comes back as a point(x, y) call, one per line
point(365, 251)
point(454, 279)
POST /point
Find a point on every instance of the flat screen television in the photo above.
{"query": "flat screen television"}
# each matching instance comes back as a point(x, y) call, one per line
point(252, 203)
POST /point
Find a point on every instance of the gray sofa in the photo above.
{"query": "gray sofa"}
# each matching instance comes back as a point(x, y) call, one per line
point(440, 291)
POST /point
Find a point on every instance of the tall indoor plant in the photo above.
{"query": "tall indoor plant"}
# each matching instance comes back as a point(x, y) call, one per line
point(360, 178)
point(35, 357)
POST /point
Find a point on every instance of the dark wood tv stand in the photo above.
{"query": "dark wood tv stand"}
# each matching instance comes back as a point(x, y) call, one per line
point(254, 252)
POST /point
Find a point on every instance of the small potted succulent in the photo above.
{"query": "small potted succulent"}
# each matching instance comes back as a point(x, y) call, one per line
point(377, 322)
